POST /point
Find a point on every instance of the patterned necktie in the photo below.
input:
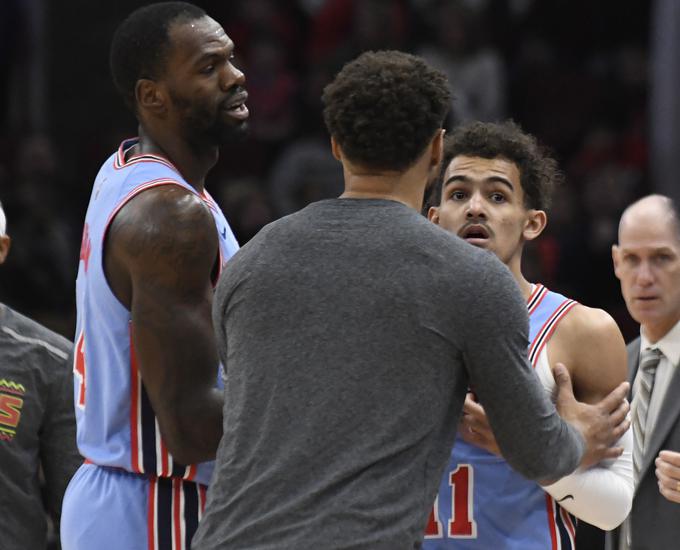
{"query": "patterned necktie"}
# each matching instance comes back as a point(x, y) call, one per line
point(649, 360)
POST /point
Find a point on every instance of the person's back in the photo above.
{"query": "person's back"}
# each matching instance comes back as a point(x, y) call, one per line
point(373, 391)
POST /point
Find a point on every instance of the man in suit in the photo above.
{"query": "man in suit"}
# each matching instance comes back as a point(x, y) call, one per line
point(647, 263)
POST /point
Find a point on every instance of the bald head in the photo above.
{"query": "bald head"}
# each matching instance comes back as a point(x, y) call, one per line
point(655, 209)
point(647, 263)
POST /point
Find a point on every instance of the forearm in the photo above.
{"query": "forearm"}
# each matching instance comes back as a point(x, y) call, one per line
point(601, 495)
point(179, 366)
point(199, 427)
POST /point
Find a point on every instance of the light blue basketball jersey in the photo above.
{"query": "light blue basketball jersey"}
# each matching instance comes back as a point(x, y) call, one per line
point(482, 503)
point(116, 425)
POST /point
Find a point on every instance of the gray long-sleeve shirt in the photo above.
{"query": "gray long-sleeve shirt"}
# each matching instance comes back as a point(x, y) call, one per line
point(37, 428)
point(350, 332)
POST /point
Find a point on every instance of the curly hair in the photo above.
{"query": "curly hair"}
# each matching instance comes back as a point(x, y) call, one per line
point(384, 107)
point(141, 43)
point(539, 174)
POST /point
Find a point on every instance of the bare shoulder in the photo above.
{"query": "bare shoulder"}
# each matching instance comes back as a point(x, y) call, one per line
point(587, 324)
point(163, 238)
point(588, 341)
point(163, 219)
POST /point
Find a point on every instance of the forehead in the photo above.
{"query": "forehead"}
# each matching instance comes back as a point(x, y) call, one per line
point(190, 40)
point(481, 169)
point(649, 231)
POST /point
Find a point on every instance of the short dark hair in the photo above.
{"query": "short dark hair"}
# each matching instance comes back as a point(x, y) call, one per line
point(384, 107)
point(539, 174)
point(140, 44)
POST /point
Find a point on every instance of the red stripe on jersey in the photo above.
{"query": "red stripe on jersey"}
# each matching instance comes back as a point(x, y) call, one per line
point(190, 473)
point(571, 528)
point(143, 187)
point(165, 458)
point(536, 297)
point(135, 413)
point(547, 330)
point(209, 200)
point(119, 161)
point(551, 521)
point(201, 499)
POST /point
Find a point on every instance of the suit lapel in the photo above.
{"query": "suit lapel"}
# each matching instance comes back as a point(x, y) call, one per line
point(668, 415)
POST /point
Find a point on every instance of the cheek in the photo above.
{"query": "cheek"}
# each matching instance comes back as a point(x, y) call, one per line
point(450, 219)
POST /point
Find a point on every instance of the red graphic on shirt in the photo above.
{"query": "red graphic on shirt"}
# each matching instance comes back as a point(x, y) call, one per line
point(85, 246)
point(11, 401)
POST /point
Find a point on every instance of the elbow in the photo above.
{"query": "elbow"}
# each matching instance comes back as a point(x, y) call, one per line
point(614, 516)
point(185, 450)
point(541, 469)
point(184, 442)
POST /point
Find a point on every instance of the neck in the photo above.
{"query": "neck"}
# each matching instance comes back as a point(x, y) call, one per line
point(405, 187)
point(192, 163)
point(656, 331)
point(514, 265)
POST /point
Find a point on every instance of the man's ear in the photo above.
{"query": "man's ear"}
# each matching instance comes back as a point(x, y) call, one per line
point(534, 224)
point(616, 259)
point(149, 96)
point(437, 148)
point(5, 243)
point(433, 214)
point(336, 149)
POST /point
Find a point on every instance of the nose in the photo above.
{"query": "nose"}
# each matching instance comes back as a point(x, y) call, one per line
point(231, 77)
point(475, 207)
point(644, 275)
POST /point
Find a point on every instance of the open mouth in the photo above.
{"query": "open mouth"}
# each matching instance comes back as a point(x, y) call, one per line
point(475, 234)
point(236, 106)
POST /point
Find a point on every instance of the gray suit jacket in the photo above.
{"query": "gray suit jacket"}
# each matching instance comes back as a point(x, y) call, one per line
point(655, 520)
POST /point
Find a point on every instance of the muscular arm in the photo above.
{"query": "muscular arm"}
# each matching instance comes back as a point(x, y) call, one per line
point(160, 251)
point(590, 344)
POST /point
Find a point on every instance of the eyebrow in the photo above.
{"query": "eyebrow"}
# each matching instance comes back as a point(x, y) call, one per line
point(216, 53)
point(656, 250)
point(491, 179)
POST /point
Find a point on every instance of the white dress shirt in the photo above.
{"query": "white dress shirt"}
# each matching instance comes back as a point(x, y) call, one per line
point(669, 345)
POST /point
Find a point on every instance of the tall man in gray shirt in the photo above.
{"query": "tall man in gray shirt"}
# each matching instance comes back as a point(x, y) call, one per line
point(350, 332)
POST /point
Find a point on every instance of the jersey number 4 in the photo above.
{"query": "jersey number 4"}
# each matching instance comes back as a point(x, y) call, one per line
point(462, 524)
point(79, 369)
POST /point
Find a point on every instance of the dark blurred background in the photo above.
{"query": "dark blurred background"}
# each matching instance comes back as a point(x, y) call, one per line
point(594, 80)
point(578, 74)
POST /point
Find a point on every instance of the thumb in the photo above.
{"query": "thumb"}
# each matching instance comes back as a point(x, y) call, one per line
point(563, 387)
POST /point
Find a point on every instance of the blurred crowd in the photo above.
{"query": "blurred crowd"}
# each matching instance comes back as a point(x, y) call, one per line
point(574, 73)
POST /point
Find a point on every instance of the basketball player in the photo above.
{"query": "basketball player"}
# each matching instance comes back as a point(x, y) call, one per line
point(147, 407)
point(349, 342)
point(493, 193)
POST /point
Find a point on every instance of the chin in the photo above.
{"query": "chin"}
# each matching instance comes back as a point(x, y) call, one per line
point(234, 133)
